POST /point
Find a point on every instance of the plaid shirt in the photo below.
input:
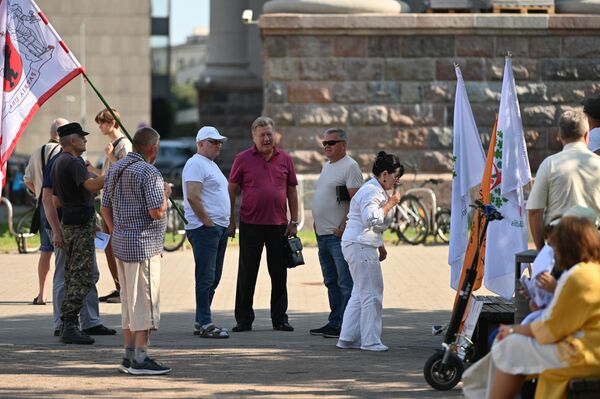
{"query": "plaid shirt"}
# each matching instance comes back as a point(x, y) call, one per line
point(136, 236)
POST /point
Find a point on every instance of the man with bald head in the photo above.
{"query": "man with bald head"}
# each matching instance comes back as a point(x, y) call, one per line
point(33, 180)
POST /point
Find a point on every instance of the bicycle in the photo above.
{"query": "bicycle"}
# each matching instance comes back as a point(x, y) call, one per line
point(21, 230)
point(175, 233)
point(413, 222)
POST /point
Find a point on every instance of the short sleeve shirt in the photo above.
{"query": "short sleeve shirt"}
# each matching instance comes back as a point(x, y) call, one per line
point(68, 175)
point(264, 185)
point(327, 212)
point(136, 236)
point(214, 194)
point(33, 171)
point(563, 180)
point(121, 147)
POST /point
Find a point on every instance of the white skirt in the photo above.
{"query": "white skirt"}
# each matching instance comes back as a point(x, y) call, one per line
point(515, 354)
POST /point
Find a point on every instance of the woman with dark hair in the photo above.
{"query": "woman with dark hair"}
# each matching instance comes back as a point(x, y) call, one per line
point(565, 342)
point(368, 218)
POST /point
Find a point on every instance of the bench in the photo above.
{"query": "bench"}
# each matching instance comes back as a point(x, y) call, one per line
point(584, 389)
point(495, 311)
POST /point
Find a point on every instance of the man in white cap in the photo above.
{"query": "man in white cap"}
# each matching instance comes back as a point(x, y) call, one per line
point(206, 202)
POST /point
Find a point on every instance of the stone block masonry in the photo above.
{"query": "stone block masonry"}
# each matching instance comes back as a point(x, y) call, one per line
point(389, 79)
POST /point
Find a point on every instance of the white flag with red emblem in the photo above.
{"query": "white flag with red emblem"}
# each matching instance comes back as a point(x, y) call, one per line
point(511, 173)
point(35, 63)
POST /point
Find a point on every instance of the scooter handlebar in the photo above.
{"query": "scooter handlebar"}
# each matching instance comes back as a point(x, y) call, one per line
point(489, 211)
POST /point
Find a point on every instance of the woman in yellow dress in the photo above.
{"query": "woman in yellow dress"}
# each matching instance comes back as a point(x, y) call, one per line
point(565, 342)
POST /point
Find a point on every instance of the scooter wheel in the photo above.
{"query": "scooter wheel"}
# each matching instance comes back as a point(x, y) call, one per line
point(446, 378)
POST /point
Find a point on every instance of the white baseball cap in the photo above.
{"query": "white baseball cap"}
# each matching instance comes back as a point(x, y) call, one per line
point(209, 132)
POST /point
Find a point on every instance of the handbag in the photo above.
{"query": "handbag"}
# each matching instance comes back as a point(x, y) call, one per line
point(294, 252)
point(342, 194)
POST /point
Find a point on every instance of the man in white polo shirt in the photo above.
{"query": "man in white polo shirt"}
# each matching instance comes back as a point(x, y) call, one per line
point(563, 180)
point(207, 210)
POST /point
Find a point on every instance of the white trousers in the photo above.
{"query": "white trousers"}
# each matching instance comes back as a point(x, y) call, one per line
point(362, 317)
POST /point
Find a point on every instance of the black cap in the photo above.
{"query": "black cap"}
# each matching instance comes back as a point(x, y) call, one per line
point(591, 106)
point(71, 128)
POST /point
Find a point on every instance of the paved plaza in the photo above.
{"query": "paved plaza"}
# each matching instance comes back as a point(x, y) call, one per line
point(261, 363)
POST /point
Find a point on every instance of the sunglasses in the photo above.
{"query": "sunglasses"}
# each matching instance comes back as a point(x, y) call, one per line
point(331, 142)
point(215, 142)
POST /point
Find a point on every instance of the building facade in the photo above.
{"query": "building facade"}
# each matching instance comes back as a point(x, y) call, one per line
point(111, 39)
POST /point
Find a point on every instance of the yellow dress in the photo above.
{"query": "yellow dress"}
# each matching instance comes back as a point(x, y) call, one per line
point(572, 323)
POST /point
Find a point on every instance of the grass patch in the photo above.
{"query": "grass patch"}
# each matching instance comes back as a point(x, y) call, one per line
point(8, 243)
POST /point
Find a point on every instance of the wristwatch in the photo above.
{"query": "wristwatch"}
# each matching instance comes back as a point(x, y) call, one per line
point(294, 222)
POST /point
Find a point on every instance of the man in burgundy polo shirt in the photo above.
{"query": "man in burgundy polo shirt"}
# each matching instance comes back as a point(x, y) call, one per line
point(267, 180)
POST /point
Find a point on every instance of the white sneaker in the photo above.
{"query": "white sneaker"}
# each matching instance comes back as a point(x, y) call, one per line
point(347, 344)
point(375, 348)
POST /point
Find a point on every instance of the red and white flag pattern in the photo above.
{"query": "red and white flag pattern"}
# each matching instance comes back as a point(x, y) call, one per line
point(35, 63)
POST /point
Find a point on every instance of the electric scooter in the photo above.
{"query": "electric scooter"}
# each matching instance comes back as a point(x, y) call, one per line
point(444, 369)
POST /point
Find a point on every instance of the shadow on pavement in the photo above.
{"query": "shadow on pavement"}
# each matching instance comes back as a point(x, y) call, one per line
point(260, 363)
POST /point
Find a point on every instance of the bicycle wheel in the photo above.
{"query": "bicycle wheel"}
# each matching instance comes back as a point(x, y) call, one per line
point(23, 234)
point(442, 221)
point(175, 233)
point(411, 220)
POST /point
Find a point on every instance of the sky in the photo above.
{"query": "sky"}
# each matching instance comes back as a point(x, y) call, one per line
point(185, 16)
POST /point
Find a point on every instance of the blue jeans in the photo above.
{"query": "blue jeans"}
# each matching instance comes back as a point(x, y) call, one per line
point(336, 276)
point(208, 245)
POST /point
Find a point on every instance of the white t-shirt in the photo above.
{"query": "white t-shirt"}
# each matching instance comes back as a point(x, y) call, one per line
point(327, 212)
point(214, 195)
point(594, 139)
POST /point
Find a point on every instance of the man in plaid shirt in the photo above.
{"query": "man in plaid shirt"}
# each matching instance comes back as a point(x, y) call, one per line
point(133, 205)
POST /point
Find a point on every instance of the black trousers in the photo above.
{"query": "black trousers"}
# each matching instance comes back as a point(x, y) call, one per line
point(253, 237)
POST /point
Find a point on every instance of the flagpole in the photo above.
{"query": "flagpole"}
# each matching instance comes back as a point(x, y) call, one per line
point(109, 108)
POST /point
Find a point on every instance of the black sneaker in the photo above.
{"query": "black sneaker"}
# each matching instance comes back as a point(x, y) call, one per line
point(114, 294)
point(333, 333)
point(148, 367)
point(99, 330)
point(124, 366)
point(326, 329)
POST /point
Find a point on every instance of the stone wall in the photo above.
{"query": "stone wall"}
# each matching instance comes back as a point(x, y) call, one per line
point(231, 107)
point(389, 79)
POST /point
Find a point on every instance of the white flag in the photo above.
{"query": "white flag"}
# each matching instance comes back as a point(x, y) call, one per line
point(507, 237)
point(35, 64)
point(468, 164)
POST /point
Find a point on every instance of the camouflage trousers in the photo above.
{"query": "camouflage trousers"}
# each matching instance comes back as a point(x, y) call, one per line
point(79, 246)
